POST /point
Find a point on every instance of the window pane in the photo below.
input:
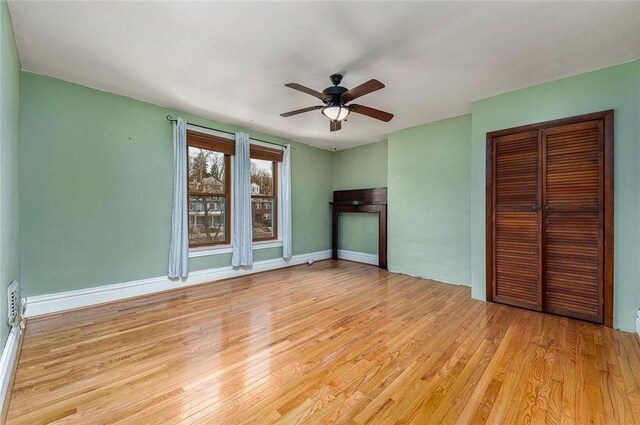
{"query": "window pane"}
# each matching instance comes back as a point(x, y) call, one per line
point(206, 171)
point(261, 177)
point(262, 215)
point(207, 219)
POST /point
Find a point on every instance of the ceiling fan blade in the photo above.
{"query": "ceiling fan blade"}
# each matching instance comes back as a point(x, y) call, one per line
point(361, 90)
point(307, 90)
point(335, 125)
point(371, 112)
point(300, 111)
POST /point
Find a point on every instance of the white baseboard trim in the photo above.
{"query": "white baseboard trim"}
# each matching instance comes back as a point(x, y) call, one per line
point(7, 364)
point(360, 257)
point(52, 303)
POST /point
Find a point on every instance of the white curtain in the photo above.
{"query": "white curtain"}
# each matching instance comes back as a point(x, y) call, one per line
point(242, 229)
point(285, 196)
point(179, 248)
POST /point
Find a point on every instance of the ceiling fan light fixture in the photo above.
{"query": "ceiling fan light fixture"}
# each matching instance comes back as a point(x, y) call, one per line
point(336, 112)
point(334, 99)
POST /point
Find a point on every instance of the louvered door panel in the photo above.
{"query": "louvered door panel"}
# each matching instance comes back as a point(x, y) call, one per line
point(516, 278)
point(573, 197)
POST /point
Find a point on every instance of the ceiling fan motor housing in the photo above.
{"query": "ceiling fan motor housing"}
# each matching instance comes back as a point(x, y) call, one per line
point(335, 91)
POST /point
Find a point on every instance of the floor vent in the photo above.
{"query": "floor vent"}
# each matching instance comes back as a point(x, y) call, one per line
point(14, 298)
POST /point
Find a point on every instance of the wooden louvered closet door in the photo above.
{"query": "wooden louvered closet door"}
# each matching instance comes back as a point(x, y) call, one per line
point(550, 217)
point(517, 220)
point(573, 220)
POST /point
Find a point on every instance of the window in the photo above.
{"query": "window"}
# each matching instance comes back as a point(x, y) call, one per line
point(209, 183)
point(209, 189)
point(264, 201)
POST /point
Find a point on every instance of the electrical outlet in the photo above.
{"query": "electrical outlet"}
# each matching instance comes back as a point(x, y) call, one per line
point(638, 322)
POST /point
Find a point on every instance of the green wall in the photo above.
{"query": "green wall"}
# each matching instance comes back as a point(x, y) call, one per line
point(360, 168)
point(615, 88)
point(429, 183)
point(9, 163)
point(96, 177)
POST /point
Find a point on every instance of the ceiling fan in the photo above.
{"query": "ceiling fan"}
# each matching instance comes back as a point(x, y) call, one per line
point(335, 99)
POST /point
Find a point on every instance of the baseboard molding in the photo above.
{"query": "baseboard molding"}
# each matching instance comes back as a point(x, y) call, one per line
point(53, 303)
point(8, 362)
point(359, 257)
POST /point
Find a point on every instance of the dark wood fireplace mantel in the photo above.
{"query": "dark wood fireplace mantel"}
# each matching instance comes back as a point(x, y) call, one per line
point(364, 201)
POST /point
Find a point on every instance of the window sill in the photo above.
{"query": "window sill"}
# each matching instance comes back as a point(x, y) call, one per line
point(267, 244)
point(203, 251)
point(225, 249)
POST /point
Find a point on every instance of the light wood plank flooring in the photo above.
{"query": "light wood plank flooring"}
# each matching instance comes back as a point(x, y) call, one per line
point(336, 342)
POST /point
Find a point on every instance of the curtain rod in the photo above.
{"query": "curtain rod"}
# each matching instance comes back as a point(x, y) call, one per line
point(170, 119)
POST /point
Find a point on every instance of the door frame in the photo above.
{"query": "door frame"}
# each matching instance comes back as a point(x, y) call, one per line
point(607, 118)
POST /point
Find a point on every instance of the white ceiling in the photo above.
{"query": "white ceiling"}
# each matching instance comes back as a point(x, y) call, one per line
point(229, 60)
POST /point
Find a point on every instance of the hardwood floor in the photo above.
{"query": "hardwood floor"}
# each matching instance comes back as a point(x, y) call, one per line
point(336, 342)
